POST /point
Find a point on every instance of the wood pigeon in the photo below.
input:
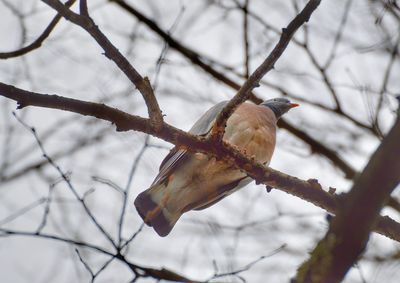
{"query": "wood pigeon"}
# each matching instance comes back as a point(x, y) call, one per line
point(194, 181)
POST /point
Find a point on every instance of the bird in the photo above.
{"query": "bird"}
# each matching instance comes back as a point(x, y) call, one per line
point(194, 181)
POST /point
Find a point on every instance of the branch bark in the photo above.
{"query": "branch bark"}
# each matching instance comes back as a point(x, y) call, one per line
point(349, 231)
point(310, 190)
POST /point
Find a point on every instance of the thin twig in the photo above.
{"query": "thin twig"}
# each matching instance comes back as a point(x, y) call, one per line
point(385, 82)
point(339, 34)
point(67, 181)
point(22, 211)
point(39, 41)
point(126, 191)
point(246, 39)
point(46, 209)
point(322, 71)
point(133, 236)
point(78, 146)
point(163, 273)
point(109, 183)
point(87, 267)
point(247, 266)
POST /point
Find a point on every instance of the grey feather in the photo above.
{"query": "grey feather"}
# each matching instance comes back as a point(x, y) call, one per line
point(205, 123)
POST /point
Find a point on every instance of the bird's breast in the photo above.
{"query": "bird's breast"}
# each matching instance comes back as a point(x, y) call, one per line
point(252, 129)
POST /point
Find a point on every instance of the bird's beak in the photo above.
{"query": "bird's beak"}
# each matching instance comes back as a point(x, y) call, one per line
point(293, 105)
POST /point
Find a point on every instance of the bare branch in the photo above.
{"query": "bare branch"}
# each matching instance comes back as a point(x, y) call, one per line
point(87, 267)
point(385, 82)
point(319, 67)
point(141, 271)
point(322, 71)
point(339, 33)
point(349, 231)
point(79, 145)
point(46, 212)
point(83, 8)
point(308, 190)
point(247, 266)
point(190, 54)
point(22, 211)
point(246, 39)
point(132, 237)
point(127, 188)
point(69, 184)
point(111, 52)
point(39, 41)
point(245, 91)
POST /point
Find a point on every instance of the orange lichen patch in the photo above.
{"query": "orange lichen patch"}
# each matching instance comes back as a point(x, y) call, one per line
point(170, 178)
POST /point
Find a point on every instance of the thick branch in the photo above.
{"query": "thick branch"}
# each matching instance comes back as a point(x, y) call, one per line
point(310, 190)
point(349, 231)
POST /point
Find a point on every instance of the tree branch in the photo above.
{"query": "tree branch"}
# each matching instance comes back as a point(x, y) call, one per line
point(253, 81)
point(141, 271)
point(39, 41)
point(111, 52)
point(310, 190)
point(349, 231)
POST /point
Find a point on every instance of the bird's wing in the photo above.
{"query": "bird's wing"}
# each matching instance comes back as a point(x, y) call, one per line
point(176, 157)
point(223, 192)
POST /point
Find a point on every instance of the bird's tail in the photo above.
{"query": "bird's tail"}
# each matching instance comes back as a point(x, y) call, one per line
point(151, 205)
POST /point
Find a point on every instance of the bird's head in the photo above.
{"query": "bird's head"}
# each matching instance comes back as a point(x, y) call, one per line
point(279, 105)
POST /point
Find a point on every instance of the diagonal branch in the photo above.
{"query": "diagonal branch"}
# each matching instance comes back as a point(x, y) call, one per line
point(309, 190)
point(253, 81)
point(111, 52)
point(39, 41)
point(349, 231)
